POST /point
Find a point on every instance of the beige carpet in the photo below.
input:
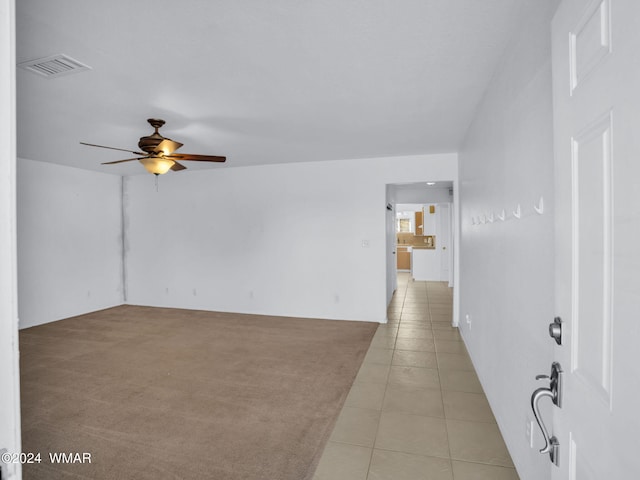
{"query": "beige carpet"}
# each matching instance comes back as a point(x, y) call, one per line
point(157, 393)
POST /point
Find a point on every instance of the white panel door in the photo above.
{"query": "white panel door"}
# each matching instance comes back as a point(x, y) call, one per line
point(391, 254)
point(443, 240)
point(596, 87)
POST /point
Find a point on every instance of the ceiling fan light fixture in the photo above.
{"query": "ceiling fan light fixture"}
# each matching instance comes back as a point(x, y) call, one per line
point(156, 152)
point(157, 165)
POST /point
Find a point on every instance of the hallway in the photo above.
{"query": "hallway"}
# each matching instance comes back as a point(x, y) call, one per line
point(416, 409)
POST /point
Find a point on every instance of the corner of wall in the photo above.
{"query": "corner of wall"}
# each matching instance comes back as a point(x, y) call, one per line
point(78, 268)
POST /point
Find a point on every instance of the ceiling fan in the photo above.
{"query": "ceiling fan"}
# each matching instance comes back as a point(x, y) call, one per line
point(159, 156)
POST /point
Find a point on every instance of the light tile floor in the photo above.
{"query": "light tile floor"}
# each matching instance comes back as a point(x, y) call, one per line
point(416, 409)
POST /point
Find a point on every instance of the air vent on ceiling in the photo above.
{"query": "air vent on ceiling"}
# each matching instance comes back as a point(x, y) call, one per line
point(54, 66)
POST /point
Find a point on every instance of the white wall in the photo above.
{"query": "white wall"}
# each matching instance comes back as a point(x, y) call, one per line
point(422, 194)
point(407, 207)
point(277, 239)
point(507, 267)
point(69, 242)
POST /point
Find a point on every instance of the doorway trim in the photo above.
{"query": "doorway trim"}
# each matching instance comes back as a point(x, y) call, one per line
point(10, 435)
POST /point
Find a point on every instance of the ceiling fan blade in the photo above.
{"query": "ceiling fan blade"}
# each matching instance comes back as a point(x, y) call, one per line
point(167, 146)
point(120, 161)
point(197, 158)
point(112, 148)
point(177, 167)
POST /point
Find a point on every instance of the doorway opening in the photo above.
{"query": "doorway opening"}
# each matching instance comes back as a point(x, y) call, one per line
point(421, 234)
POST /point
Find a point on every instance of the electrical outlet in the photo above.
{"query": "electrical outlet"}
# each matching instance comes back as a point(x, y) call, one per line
point(467, 318)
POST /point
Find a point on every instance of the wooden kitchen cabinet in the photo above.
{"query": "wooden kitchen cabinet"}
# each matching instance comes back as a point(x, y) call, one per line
point(419, 223)
point(404, 258)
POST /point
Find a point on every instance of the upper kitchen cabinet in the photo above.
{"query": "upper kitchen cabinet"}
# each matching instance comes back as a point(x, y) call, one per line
point(429, 220)
point(419, 216)
point(425, 221)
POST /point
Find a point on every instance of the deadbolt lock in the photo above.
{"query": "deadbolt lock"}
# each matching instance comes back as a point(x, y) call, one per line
point(555, 330)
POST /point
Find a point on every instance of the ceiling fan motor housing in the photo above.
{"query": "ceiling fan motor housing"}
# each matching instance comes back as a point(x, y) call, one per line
point(150, 142)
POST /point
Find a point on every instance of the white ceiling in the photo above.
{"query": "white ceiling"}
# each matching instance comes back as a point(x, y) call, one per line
point(258, 81)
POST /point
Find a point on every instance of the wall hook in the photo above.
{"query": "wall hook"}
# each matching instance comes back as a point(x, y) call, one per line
point(540, 207)
point(517, 212)
point(502, 215)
